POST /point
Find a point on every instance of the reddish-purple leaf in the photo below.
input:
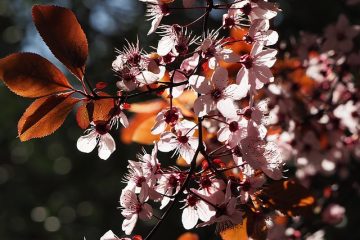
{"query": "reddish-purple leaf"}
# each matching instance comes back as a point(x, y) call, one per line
point(63, 34)
point(30, 75)
point(289, 197)
point(44, 116)
point(100, 110)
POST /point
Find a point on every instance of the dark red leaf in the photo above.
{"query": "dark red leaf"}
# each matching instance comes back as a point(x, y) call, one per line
point(63, 34)
point(30, 75)
point(101, 110)
point(44, 116)
point(82, 115)
point(290, 197)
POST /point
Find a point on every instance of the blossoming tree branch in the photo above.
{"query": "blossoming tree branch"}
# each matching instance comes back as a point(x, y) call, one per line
point(212, 115)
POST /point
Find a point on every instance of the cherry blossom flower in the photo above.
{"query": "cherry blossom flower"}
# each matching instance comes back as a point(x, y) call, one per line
point(227, 213)
point(131, 55)
point(137, 182)
point(320, 68)
point(258, 113)
point(133, 208)
point(333, 214)
point(143, 175)
point(340, 37)
point(212, 50)
point(216, 94)
point(349, 115)
point(259, 32)
point(263, 155)
point(167, 117)
point(168, 185)
point(231, 19)
point(182, 141)
point(135, 68)
point(234, 131)
point(195, 209)
point(156, 10)
point(97, 135)
point(210, 185)
point(176, 40)
point(187, 67)
point(255, 70)
point(261, 9)
point(250, 184)
point(119, 117)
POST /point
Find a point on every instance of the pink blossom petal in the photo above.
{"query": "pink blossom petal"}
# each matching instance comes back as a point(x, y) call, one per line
point(87, 143)
point(106, 146)
point(203, 105)
point(165, 45)
point(128, 198)
point(147, 77)
point(146, 212)
point(159, 127)
point(235, 92)
point(129, 224)
point(124, 120)
point(187, 153)
point(220, 78)
point(189, 217)
point(155, 23)
point(200, 84)
point(227, 108)
point(223, 134)
point(264, 74)
point(109, 235)
point(204, 211)
point(167, 142)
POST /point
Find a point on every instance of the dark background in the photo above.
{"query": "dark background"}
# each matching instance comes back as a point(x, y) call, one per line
point(48, 189)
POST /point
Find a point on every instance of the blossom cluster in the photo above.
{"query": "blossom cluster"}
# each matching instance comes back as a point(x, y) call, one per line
point(220, 115)
point(315, 112)
point(234, 169)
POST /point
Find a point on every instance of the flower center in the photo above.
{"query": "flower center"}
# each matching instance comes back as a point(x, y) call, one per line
point(205, 182)
point(229, 22)
point(237, 151)
point(247, 114)
point(139, 181)
point(247, 61)
point(183, 139)
point(102, 128)
point(171, 116)
point(164, 9)
point(216, 94)
point(173, 182)
point(248, 39)
point(192, 200)
point(246, 9)
point(340, 36)
point(182, 45)
point(138, 208)
point(233, 126)
point(134, 59)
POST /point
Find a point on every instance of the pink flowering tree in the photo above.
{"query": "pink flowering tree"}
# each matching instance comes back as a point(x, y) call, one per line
point(230, 112)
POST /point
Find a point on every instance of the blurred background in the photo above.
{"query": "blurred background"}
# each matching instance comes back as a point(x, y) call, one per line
point(48, 189)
